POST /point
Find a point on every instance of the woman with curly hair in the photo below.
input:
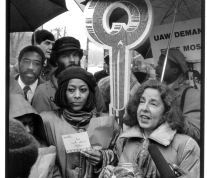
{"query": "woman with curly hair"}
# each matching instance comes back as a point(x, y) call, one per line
point(154, 117)
point(75, 97)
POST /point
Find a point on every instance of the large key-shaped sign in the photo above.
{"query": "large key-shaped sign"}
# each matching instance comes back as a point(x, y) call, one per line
point(119, 40)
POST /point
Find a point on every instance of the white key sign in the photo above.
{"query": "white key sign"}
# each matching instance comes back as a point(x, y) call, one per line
point(119, 40)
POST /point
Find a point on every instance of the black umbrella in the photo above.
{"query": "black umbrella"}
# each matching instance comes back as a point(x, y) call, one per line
point(28, 15)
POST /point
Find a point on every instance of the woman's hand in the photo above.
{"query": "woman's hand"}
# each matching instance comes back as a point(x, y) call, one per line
point(94, 156)
point(107, 172)
point(185, 174)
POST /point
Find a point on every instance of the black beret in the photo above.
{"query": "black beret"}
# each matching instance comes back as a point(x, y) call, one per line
point(65, 43)
point(79, 73)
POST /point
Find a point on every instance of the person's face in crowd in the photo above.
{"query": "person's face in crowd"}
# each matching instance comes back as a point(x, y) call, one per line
point(30, 67)
point(68, 58)
point(46, 47)
point(168, 70)
point(28, 123)
point(150, 110)
point(77, 94)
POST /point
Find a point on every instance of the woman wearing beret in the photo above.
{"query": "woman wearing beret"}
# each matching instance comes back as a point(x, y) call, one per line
point(66, 52)
point(76, 99)
point(154, 117)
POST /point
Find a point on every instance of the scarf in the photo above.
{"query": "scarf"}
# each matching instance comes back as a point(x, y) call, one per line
point(74, 118)
point(142, 158)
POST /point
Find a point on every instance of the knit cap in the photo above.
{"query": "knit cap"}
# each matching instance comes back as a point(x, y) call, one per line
point(76, 72)
point(177, 56)
point(23, 151)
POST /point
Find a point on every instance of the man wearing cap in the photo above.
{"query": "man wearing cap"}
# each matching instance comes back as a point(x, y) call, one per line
point(188, 98)
point(30, 61)
point(105, 72)
point(66, 52)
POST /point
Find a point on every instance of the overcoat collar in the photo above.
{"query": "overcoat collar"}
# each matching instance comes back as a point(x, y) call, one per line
point(162, 135)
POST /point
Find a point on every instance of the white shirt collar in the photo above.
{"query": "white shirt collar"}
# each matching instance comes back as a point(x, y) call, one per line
point(32, 86)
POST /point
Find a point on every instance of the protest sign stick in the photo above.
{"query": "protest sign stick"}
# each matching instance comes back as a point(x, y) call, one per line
point(169, 42)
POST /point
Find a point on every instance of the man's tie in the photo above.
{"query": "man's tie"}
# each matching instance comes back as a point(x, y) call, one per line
point(26, 89)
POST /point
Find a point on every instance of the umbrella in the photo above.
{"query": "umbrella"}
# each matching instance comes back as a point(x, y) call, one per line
point(164, 10)
point(28, 15)
point(172, 11)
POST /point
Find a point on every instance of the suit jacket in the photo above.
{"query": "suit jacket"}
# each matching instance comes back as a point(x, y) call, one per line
point(14, 86)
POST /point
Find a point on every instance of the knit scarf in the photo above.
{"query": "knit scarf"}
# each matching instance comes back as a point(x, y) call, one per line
point(74, 118)
point(144, 161)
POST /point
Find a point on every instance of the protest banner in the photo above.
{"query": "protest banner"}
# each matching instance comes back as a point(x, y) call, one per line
point(186, 37)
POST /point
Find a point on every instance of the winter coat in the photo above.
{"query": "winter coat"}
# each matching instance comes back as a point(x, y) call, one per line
point(178, 149)
point(47, 70)
point(43, 99)
point(100, 74)
point(45, 166)
point(191, 109)
point(74, 165)
point(14, 87)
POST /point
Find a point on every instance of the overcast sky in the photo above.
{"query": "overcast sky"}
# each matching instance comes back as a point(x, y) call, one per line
point(73, 20)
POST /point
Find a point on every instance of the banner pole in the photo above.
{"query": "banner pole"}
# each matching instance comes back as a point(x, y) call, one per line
point(169, 43)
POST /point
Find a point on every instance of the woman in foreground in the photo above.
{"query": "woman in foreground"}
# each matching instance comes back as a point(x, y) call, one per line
point(75, 97)
point(154, 118)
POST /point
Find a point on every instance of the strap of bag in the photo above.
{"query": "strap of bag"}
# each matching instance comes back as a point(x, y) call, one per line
point(183, 98)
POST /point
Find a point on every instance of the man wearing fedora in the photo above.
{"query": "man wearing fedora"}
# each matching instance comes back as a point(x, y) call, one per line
point(66, 52)
point(188, 97)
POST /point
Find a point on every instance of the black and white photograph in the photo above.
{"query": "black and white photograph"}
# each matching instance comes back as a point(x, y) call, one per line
point(104, 89)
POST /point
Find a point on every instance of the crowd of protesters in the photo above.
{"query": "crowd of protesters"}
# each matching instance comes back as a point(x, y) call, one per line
point(51, 95)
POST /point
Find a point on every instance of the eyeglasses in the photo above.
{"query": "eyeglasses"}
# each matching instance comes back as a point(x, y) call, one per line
point(28, 62)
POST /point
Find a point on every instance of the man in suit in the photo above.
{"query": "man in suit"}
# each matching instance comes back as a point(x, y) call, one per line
point(30, 62)
point(44, 40)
